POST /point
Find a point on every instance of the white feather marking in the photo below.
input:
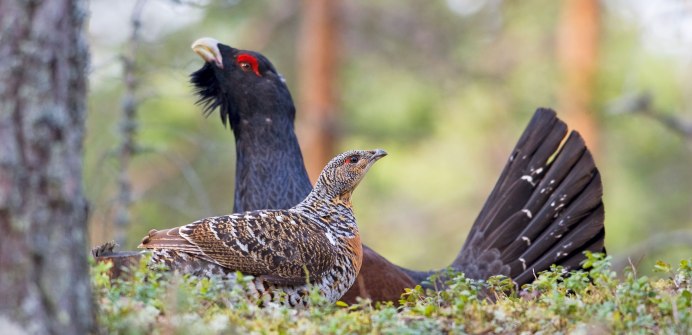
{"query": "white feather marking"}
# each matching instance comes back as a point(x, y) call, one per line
point(539, 170)
point(528, 179)
point(527, 240)
point(248, 217)
point(331, 238)
point(185, 230)
point(263, 215)
point(523, 262)
point(213, 231)
point(242, 247)
point(527, 212)
point(279, 218)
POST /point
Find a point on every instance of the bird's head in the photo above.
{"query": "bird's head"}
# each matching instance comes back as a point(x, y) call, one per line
point(243, 84)
point(343, 173)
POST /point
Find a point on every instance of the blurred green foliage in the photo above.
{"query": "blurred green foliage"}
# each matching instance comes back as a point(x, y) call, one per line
point(593, 301)
point(447, 94)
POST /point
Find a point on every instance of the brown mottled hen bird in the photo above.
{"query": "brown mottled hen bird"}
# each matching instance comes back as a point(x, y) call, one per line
point(316, 241)
point(546, 207)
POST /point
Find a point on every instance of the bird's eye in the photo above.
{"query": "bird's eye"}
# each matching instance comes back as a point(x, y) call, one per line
point(245, 66)
point(352, 159)
point(248, 63)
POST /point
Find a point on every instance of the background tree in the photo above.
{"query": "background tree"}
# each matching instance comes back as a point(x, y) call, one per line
point(44, 281)
point(577, 53)
point(317, 58)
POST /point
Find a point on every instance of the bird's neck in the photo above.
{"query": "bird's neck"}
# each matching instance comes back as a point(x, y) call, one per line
point(333, 211)
point(270, 173)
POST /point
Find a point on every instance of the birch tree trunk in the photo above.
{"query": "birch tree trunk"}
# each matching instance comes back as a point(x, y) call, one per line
point(44, 279)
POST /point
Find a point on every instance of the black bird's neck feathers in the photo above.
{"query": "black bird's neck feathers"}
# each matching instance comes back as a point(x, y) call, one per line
point(269, 165)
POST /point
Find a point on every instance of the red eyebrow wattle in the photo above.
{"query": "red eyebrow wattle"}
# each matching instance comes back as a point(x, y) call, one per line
point(250, 59)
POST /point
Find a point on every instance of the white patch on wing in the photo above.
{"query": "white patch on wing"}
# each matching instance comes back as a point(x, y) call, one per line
point(330, 238)
point(242, 247)
point(250, 231)
point(213, 231)
point(185, 230)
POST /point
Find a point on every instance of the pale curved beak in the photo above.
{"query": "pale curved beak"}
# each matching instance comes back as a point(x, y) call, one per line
point(377, 154)
point(208, 49)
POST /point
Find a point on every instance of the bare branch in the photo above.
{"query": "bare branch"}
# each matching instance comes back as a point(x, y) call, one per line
point(642, 103)
point(128, 125)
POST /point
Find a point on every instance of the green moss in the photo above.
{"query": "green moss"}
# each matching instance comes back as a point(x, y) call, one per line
point(590, 301)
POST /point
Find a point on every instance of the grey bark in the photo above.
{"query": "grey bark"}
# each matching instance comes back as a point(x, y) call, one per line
point(44, 278)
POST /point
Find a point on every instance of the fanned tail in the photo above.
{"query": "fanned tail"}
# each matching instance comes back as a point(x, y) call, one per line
point(545, 209)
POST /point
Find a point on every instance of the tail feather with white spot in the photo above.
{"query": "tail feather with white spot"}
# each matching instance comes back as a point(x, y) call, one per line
point(545, 209)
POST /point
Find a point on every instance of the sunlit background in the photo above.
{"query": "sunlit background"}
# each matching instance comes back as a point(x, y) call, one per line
point(446, 87)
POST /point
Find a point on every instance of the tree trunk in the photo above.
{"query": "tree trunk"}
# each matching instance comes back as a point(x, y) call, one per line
point(577, 53)
point(317, 67)
point(44, 281)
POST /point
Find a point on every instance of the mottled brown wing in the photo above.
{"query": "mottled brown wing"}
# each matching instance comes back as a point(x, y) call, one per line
point(278, 245)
